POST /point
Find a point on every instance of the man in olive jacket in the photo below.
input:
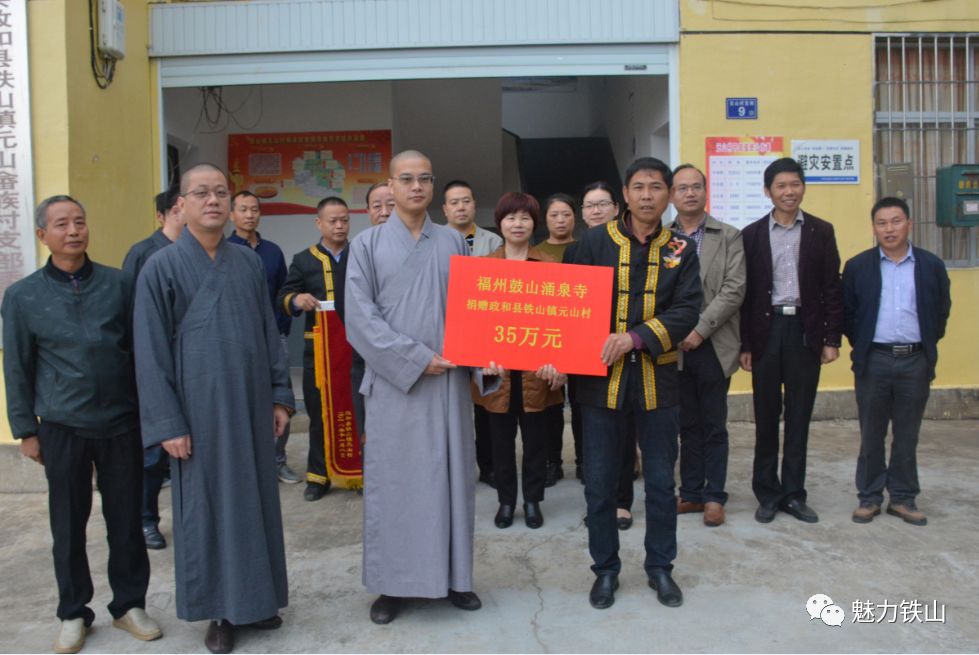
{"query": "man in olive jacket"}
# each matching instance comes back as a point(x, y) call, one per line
point(71, 401)
point(710, 351)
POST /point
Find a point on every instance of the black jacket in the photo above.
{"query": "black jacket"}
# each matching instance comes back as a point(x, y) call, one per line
point(314, 271)
point(68, 352)
point(656, 293)
point(819, 286)
point(861, 301)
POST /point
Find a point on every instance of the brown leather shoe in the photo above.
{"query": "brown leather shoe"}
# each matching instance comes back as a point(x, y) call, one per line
point(909, 512)
point(220, 637)
point(866, 512)
point(684, 507)
point(713, 514)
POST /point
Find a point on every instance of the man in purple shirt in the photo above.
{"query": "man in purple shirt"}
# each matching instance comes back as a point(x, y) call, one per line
point(896, 302)
point(246, 211)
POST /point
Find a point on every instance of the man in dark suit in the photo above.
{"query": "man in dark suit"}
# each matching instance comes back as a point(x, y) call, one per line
point(791, 323)
point(897, 302)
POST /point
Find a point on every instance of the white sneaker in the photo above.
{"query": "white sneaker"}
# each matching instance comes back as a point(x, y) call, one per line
point(139, 625)
point(72, 636)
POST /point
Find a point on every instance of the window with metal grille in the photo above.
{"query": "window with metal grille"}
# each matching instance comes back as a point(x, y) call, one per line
point(926, 107)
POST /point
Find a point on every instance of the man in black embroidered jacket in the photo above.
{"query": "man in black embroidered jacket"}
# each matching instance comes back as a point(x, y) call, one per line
point(656, 303)
point(318, 274)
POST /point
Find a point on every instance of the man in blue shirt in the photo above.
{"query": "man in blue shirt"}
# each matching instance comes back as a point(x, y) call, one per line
point(245, 215)
point(896, 302)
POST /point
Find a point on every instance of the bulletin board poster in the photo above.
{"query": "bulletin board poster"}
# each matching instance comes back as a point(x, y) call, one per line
point(735, 176)
point(523, 315)
point(290, 172)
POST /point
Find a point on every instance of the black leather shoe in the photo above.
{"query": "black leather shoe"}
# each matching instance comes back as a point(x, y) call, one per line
point(220, 637)
point(465, 600)
point(667, 590)
point(154, 540)
point(552, 474)
point(623, 522)
point(316, 491)
point(504, 517)
point(487, 477)
point(764, 514)
point(602, 593)
point(271, 623)
point(532, 515)
point(385, 609)
point(800, 510)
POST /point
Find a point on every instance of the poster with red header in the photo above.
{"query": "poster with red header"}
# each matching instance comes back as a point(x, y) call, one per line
point(735, 176)
point(523, 315)
point(292, 171)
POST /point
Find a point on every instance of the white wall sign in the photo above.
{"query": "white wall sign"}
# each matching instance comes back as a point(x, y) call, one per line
point(828, 162)
point(17, 251)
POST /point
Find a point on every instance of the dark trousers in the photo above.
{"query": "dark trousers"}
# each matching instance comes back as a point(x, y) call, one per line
point(703, 427)
point(891, 390)
point(357, 370)
point(484, 440)
point(68, 462)
point(555, 437)
point(316, 461)
point(789, 364)
point(156, 464)
point(280, 443)
point(657, 435)
point(627, 472)
point(533, 432)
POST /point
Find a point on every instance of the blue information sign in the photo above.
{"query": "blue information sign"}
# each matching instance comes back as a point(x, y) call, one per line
point(742, 108)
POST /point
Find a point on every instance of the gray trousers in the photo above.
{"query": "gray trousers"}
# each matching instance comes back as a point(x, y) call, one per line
point(891, 390)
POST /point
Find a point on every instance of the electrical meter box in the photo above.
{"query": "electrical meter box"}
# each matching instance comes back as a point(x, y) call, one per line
point(112, 29)
point(957, 196)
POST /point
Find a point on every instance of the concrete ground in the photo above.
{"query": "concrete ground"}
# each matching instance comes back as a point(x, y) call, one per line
point(745, 584)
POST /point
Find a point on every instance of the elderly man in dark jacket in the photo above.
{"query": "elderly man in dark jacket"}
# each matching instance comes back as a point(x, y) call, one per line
point(71, 401)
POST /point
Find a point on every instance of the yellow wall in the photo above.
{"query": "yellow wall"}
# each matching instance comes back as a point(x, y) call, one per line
point(815, 86)
point(830, 15)
point(95, 145)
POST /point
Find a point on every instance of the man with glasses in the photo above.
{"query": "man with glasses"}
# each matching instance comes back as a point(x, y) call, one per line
point(710, 351)
point(419, 464)
point(214, 392)
point(246, 213)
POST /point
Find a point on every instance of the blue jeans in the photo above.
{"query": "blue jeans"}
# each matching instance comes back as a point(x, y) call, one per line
point(657, 435)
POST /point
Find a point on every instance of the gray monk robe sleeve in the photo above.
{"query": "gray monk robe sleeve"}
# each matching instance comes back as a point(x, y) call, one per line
point(154, 333)
point(397, 358)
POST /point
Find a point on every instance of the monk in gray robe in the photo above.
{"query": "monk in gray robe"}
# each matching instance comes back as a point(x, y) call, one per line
point(214, 392)
point(419, 457)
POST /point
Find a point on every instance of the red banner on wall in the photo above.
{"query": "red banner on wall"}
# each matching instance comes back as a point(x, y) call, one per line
point(523, 315)
point(292, 172)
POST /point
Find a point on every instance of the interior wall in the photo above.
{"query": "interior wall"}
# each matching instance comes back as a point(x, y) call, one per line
point(457, 124)
point(636, 114)
point(553, 114)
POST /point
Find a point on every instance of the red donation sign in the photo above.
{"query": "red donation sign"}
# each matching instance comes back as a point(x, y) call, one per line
point(523, 315)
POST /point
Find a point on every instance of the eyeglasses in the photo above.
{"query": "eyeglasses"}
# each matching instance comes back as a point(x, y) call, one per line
point(601, 204)
point(424, 179)
point(683, 188)
point(203, 194)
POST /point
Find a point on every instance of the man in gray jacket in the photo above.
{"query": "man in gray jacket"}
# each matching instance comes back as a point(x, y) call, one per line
point(710, 351)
